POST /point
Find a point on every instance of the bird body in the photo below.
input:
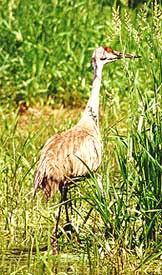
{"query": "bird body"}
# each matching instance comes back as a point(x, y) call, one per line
point(72, 153)
point(66, 156)
point(69, 154)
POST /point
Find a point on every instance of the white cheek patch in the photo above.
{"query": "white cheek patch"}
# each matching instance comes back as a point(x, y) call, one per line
point(110, 56)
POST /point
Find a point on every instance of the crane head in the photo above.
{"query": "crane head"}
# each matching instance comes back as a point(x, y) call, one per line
point(104, 55)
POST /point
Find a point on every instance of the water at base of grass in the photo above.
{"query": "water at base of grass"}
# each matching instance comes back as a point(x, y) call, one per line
point(18, 258)
point(26, 263)
point(14, 262)
point(38, 260)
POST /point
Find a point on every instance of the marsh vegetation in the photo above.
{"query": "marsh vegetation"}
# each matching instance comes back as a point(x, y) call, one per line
point(45, 79)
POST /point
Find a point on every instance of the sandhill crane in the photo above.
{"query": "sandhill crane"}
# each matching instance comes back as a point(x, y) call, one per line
point(68, 154)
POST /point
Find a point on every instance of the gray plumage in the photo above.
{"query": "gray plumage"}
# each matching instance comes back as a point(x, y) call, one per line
point(64, 155)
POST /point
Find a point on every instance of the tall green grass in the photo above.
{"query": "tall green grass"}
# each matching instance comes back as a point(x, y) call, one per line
point(45, 53)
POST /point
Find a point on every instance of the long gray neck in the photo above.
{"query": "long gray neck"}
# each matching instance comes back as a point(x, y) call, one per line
point(91, 111)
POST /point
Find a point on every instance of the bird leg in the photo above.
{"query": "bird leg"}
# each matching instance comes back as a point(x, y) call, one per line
point(63, 190)
point(57, 221)
point(66, 204)
point(63, 196)
point(68, 228)
point(55, 236)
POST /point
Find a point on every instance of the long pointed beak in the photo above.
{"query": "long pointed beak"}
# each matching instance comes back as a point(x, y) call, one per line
point(125, 55)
